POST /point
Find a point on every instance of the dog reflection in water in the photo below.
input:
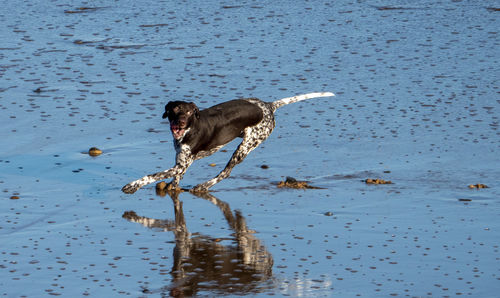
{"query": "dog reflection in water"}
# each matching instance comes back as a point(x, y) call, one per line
point(202, 263)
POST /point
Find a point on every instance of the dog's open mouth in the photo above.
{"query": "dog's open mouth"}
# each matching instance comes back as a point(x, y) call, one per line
point(177, 131)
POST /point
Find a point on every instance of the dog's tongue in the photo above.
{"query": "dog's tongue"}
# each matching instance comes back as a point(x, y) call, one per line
point(177, 131)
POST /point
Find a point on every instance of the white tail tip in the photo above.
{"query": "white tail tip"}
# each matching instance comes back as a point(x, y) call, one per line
point(288, 100)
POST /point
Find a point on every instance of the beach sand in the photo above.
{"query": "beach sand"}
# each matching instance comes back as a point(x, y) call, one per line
point(417, 104)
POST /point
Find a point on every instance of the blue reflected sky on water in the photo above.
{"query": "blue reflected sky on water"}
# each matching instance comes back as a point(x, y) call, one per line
point(417, 104)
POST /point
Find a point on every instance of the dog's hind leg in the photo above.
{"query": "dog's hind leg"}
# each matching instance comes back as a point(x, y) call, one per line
point(252, 138)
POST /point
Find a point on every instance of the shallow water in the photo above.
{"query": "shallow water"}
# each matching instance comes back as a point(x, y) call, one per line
point(417, 103)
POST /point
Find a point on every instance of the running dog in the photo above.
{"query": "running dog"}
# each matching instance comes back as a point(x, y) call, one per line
point(198, 134)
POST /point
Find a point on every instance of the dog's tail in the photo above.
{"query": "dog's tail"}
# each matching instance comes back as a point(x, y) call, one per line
point(288, 100)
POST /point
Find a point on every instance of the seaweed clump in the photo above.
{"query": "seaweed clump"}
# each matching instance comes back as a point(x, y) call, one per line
point(477, 186)
point(291, 182)
point(377, 181)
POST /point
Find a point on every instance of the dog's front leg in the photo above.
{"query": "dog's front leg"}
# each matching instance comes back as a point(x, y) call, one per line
point(174, 184)
point(183, 160)
point(135, 185)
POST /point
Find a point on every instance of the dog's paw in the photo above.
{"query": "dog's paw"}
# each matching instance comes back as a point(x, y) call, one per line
point(200, 188)
point(130, 188)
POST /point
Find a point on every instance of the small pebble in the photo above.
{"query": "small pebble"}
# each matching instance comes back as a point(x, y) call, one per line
point(161, 185)
point(95, 151)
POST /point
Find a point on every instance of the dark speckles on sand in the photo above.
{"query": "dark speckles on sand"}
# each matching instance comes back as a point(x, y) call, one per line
point(417, 89)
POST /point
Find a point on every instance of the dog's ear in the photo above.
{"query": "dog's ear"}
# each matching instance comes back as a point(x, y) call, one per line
point(195, 110)
point(168, 109)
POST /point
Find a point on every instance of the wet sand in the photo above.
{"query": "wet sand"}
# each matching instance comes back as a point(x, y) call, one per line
point(417, 104)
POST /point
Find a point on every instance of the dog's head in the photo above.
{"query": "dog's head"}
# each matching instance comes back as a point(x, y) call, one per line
point(181, 115)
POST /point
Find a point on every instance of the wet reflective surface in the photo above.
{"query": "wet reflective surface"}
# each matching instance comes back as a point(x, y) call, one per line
point(417, 104)
point(202, 263)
